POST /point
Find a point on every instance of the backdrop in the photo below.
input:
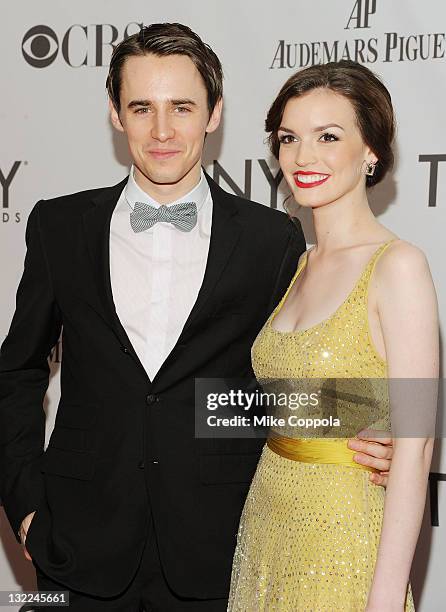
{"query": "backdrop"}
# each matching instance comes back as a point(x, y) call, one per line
point(57, 139)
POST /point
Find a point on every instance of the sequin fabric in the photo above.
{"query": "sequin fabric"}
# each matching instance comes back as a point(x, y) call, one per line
point(309, 533)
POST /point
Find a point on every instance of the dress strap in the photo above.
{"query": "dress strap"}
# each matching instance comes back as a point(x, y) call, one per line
point(300, 267)
point(367, 274)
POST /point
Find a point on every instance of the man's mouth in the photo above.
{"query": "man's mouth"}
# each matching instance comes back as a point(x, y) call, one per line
point(163, 153)
point(305, 180)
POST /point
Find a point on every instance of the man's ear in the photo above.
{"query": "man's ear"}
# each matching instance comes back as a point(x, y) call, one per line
point(114, 117)
point(214, 119)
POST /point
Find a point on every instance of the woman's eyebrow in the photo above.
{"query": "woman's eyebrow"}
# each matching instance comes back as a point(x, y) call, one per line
point(320, 128)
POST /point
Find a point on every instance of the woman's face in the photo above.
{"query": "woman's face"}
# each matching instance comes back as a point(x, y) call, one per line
point(322, 154)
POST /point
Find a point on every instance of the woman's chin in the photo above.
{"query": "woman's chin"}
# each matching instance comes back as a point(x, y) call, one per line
point(311, 204)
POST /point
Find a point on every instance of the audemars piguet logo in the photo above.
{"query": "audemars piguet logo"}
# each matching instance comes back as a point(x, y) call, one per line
point(360, 15)
point(390, 47)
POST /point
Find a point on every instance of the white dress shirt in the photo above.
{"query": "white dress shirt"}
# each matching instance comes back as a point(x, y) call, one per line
point(156, 274)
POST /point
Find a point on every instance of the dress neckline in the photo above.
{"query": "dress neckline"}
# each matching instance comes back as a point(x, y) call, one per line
point(300, 267)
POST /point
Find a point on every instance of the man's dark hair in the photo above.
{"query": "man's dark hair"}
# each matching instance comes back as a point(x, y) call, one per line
point(162, 39)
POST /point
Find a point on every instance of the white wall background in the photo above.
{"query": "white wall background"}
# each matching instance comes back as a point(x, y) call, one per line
point(54, 121)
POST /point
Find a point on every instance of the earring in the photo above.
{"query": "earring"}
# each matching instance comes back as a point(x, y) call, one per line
point(370, 169)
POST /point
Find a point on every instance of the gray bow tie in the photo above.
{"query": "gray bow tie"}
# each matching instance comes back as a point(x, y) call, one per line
point(182, 215)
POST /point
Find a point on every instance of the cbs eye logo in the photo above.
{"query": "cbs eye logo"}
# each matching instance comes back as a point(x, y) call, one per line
point(81, 45)
point(40, 46)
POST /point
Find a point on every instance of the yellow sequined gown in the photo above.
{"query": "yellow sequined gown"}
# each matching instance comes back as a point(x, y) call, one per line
point(309, 532)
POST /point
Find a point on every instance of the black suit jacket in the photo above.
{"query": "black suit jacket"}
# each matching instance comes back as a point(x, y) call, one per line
point(123, 446)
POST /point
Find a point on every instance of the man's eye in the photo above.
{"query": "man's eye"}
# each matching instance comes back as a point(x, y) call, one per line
point(141, 111)
point(286, 139)
point(327, 137)
point(181, 109)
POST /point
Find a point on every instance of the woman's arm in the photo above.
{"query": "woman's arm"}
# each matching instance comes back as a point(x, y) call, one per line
point(408, 314)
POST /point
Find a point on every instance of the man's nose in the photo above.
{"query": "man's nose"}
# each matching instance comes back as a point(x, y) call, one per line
point(162, 128)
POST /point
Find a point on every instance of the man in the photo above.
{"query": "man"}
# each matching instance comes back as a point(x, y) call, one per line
point(157, 281)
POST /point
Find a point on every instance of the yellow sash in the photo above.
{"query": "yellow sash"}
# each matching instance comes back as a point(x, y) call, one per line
point(315, 451)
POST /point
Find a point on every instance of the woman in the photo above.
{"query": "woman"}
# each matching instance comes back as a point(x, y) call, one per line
point(315, 534)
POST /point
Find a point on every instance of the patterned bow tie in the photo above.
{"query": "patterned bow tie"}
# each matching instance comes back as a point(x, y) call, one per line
point(182, 215)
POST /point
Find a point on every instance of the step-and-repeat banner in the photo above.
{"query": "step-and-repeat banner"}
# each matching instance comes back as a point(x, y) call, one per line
point(57, 138)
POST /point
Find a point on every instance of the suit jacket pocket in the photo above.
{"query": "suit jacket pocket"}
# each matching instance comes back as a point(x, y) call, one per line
point(67, 438)
point(68, 463)
point(221, 469)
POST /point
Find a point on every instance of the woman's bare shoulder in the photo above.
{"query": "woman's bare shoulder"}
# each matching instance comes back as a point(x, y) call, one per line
point(401, 261)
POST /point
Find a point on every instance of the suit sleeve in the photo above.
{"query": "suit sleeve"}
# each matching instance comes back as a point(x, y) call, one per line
point(24, 375)
point(295, 246)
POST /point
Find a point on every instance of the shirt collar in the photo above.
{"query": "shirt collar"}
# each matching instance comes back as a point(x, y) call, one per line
point(133, 193)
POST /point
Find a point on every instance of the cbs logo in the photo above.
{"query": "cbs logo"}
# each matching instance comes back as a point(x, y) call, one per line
point(81, 45)
point(40, 46)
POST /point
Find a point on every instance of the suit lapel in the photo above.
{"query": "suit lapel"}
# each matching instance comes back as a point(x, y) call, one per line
point(225, 233)
point(97, 221)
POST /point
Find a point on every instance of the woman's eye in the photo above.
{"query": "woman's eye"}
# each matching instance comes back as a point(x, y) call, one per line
point(327, 137)
point(286, 138)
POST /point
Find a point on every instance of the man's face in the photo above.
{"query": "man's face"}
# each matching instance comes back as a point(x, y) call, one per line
point(164, 112)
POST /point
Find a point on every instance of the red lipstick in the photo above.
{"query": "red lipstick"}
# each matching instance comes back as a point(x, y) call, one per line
point(306, 185)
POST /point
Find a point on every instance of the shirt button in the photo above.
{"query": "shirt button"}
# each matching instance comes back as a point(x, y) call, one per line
point(141, 465)
point(151, 399)
point(155, 461)
point(125, 350)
